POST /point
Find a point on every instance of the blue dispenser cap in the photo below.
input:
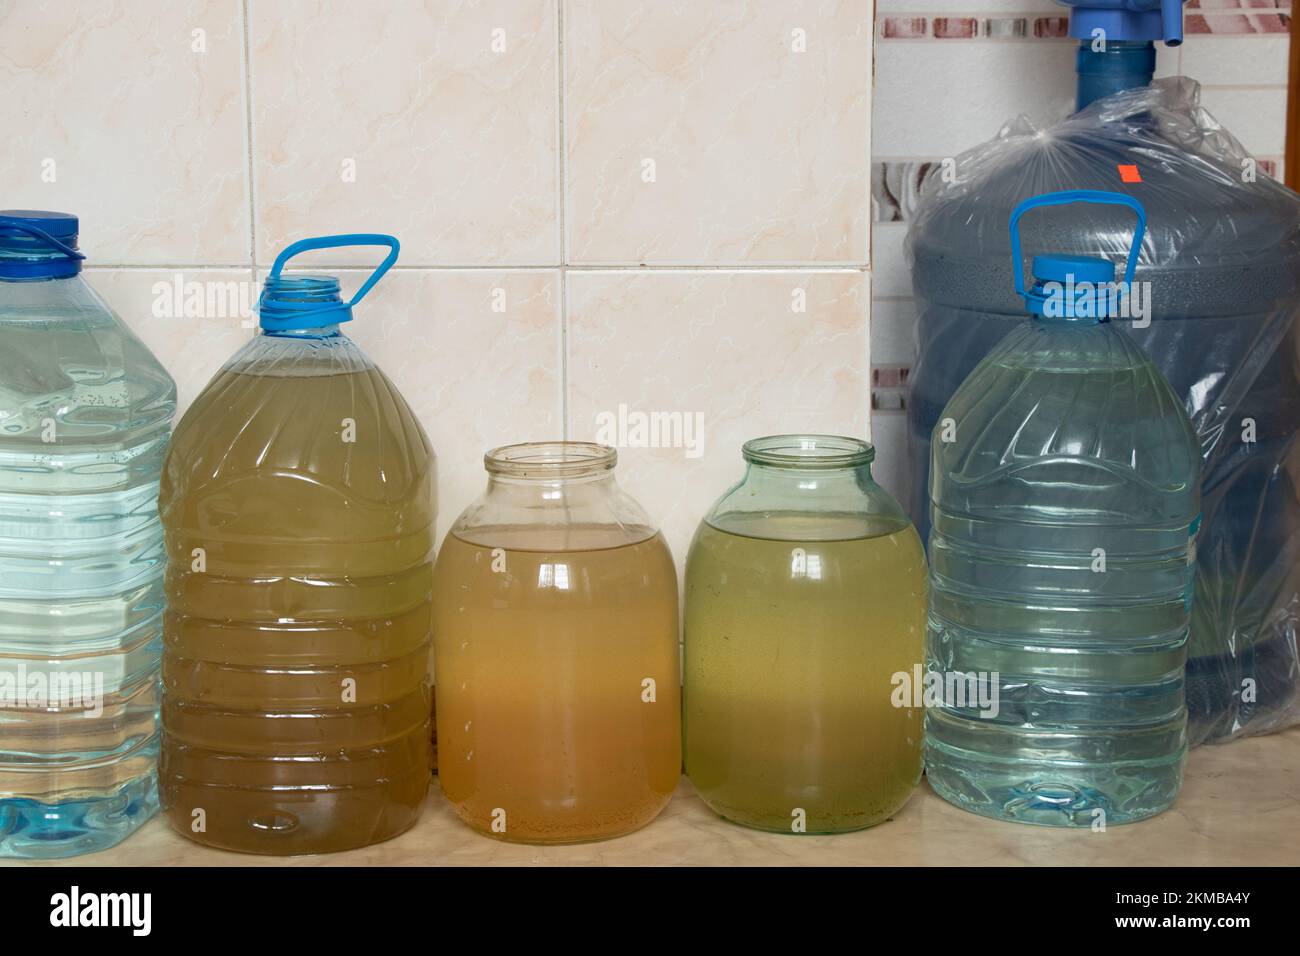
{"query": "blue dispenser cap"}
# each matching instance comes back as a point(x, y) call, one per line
point(38, 245)
point(291, 302)
point(1148, 20)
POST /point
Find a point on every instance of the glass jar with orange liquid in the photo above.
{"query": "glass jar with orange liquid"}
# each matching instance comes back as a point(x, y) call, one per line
point(555, 652)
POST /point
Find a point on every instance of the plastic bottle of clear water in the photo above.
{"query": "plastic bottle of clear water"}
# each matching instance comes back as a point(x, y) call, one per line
point(85, 413)
point(1064, 506)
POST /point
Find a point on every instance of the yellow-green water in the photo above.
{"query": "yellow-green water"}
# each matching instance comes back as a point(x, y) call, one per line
point(791, 647)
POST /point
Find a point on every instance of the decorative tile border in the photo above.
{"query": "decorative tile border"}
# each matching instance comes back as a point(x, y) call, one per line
point(1216, 6)
point(895, 188)
point(1217, 17)
point(889, 388)
point(1221, 23)
point(904, 28)
point(972, 28)
point(956, 28)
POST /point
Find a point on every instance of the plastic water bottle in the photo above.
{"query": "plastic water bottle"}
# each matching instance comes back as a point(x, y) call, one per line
point(85, 412)
point(298, 509)
point(1064, 506)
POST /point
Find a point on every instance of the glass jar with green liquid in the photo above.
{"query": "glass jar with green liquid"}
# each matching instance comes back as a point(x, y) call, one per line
point(805, 624)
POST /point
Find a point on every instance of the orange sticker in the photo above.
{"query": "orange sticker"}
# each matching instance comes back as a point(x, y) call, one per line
point(1129, 174)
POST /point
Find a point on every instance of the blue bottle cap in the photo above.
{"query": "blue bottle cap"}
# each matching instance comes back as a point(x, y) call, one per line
point(1051, 268)
point(1073, 288)
point(35, 244)
point(290, 302)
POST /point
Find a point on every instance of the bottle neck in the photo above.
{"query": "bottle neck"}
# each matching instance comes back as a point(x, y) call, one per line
point(1119, 65)
point(802, 503)
point(545, 478)
point(795, 472)
point(34, 265)
point(32, 279)
point(550, 488)
point(47, 299)
point(324, 332)
point(553, 496)
point(805, 480)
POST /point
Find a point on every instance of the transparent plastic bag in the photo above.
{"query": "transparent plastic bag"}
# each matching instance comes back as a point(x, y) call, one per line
point(1222, 259)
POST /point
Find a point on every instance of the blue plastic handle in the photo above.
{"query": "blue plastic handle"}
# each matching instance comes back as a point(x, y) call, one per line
point(13, 224)
point(1064, 198)
point(334, 242)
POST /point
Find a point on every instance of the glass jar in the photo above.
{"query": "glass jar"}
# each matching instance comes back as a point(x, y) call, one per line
point(556, 654)
point(805, 625)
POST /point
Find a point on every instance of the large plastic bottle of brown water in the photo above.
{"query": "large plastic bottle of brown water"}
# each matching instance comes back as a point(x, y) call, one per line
point(298, 506)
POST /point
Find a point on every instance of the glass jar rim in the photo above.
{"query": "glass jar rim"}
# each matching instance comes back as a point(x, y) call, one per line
point(550, 460)
point(808, 451)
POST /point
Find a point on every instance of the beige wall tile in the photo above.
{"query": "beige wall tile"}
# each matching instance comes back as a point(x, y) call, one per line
point(1257, 117)
point(145, 135)
point(726, 346)
point(476, 377)
point(759, 151)
point(453, 144)
point(191, 319)
point(940, 97)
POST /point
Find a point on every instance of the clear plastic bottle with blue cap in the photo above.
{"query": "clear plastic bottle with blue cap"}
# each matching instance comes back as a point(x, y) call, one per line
point(85, 412)
point(1065, 503)
point(298, 504)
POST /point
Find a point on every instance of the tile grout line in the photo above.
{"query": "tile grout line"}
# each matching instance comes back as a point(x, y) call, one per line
point(562, 185)
point(868, 305)
point(248, 141)
point(250, 154)
point(870, 96)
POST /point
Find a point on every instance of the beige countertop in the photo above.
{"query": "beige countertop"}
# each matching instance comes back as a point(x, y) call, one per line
point(1240, 805)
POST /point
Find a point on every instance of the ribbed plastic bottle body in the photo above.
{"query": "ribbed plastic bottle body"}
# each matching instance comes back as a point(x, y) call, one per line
point(85, 413)
point(299, 514)
point(1065, 502)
